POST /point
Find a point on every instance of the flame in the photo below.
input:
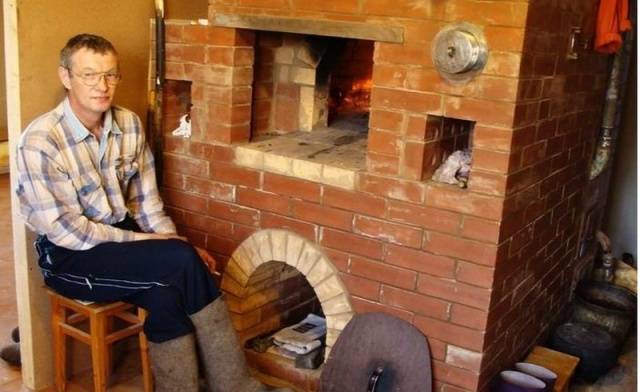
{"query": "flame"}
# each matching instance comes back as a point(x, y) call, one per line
point(355, 97)
point(351, 98)
point(364, 84)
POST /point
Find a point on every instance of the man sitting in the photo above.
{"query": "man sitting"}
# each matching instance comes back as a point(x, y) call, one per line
point(86, 185)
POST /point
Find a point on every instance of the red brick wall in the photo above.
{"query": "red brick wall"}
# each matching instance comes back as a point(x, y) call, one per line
point(275, 297)
point(548, 194)
point(483, 272)
point(410, 258)
point(263, 86)
point(219, 63)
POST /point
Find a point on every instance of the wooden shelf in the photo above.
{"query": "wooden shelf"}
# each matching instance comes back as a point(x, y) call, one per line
point(564, 365)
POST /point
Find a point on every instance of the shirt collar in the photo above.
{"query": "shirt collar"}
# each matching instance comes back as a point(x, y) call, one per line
point(79, 131)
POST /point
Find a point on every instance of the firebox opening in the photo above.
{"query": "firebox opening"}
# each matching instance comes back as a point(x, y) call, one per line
point(310, 107)
point(348, 65)
point(308, 83)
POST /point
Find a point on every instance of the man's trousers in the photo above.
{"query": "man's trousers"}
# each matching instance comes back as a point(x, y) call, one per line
point(165, 277)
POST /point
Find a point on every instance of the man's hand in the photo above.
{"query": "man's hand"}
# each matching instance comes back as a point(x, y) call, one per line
point(208, 259)
point(203, 253)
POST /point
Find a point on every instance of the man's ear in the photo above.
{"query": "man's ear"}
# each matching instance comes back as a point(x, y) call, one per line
point(64, 76)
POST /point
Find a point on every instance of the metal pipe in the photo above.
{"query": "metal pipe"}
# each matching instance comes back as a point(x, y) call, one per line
point(616, 87)
point(158, 90)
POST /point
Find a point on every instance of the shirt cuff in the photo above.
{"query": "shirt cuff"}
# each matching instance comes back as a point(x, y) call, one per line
point(127, 235)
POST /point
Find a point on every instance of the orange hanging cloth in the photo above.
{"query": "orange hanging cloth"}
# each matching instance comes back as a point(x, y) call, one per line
point(612, 20)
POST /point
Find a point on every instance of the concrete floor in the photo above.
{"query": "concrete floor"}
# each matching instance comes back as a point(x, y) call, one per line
point(127, 377)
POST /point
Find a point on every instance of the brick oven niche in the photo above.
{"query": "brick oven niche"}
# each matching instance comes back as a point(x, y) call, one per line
point(274, 279)
point(176, 101)
point(307, 82)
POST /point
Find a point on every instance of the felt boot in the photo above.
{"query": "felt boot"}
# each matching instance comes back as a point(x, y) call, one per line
point(11, 354)
point(175, 364)
point(15, 335)
point(224, 362)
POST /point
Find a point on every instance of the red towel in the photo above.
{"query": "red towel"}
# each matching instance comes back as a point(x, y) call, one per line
point(612, 20)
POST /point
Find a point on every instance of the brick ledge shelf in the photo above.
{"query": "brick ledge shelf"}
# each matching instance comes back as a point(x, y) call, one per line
point(289, 155)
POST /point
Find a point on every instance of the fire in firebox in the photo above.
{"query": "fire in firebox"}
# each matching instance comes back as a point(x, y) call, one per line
point(351, 99)
point(350, 81)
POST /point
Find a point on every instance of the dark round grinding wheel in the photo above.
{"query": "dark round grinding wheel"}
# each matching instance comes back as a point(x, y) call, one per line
point(378, 353)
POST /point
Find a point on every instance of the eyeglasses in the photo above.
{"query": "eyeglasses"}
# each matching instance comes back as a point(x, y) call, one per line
point(91, 79)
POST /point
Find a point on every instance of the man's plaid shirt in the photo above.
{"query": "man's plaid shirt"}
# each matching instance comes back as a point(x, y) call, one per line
point(72, 187)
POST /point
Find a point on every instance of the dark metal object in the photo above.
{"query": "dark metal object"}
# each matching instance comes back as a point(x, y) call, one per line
point(577, 43)
point(260, 344)
point(607, 267)
point(595, 347)
point(374, 378)
point(616, 87)
point(377, 352)
point(606, 305)
point(156, 133)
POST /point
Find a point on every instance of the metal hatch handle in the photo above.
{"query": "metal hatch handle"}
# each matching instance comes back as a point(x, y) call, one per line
point(374, 378)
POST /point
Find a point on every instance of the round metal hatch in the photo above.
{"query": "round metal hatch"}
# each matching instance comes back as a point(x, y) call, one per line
point(377, 352)
point(459, 52)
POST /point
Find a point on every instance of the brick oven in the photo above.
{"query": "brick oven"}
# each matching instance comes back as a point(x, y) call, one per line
point(316, 128)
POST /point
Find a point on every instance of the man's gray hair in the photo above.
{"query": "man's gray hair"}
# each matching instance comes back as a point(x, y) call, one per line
point(93, 42)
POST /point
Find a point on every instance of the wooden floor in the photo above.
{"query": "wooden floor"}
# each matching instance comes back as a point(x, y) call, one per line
point(10, 378)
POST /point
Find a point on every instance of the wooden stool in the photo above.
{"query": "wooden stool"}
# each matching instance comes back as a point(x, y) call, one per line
point(564, 365)
point(66, 313)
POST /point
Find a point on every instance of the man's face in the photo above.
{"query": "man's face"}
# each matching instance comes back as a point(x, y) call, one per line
point(86, 99)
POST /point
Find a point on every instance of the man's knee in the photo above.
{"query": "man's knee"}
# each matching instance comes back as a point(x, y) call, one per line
point(181, 253)
point(184, 262)
point(159, 299)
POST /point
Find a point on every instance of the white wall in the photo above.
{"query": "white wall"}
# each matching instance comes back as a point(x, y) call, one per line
point(621, 221)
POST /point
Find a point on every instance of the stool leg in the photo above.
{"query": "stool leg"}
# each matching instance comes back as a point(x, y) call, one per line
point(58, 316)
point(144, 355)
point(109, 348)
point(99, 351)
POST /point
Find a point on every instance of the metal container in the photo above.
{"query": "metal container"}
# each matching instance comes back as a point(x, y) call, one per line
point(595, 347)
point(606, 305)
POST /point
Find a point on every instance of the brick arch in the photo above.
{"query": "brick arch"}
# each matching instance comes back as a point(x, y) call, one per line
point(283, 246)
